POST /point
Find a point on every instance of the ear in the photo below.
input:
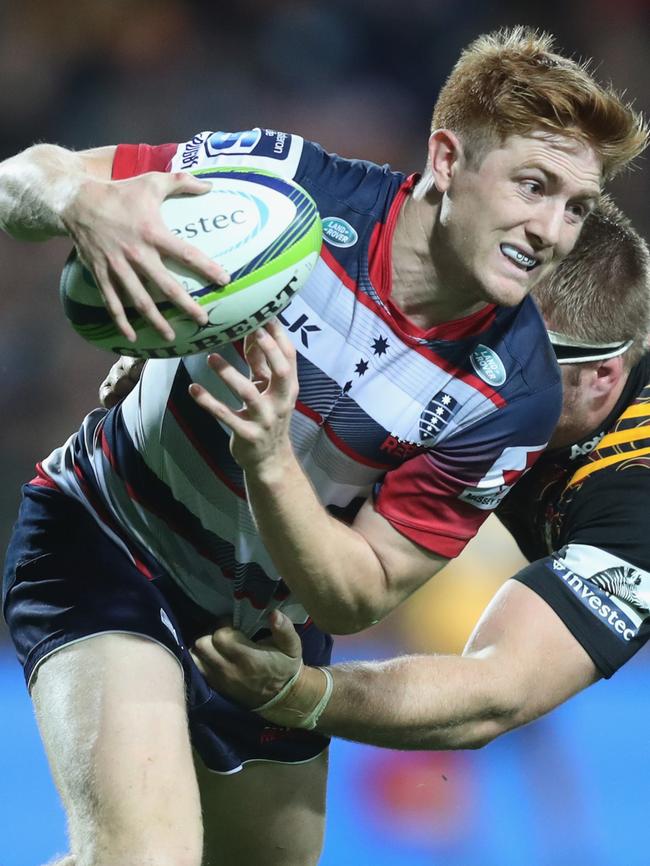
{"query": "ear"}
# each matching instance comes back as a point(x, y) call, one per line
point(607, 375)
point(445, 152)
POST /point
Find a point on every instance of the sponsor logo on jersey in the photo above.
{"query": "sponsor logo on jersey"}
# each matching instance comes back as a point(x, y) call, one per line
point(596, 599)
point(486, 500)
point(301, 326)
point(191, 151)
point(435, 416)
point(339, 232)
point(626, 583)
point(488, 365)
point(401, 448)
point(585, 448)
point(232, 142)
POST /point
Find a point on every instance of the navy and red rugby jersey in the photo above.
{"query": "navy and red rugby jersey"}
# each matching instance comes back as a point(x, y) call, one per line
point(437, 425)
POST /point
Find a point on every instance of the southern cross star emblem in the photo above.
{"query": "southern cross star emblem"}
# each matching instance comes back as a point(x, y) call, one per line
point(380, 346)
point(361, 367)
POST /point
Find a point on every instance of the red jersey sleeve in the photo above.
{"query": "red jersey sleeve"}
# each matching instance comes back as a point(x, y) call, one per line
point(133, 159)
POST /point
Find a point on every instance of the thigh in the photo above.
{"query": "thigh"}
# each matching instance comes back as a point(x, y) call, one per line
point(269, 814)
point(111, 711)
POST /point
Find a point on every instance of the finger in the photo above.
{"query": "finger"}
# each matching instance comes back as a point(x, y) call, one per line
point(185, 183)
point(155, 272)
point(141, 300)
point(282, 369)
point(113, 304)
point(260, 372)
point(205, 649)
point(240, 386)
point(284, 635)
point(229, 642)
point(279, 334)
point(192, 258)
point(197, 661)
point(237, 423)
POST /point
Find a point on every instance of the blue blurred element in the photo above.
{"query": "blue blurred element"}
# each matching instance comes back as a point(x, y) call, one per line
point(555, 793)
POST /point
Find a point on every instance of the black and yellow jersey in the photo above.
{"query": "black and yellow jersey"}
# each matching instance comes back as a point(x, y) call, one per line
point(580, 517)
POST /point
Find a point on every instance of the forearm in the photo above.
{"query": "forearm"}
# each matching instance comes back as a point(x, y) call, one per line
point(413, 702)
point(330, 567)
point(35, 188)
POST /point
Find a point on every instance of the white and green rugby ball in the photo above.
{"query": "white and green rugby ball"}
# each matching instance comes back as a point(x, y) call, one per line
point(263, 229)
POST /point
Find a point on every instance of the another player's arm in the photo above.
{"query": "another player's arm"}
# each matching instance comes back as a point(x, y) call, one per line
point(47, 191)
point(519, 663)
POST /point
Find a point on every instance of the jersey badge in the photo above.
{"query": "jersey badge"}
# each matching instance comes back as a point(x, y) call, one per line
point(435, 416)
point(488, 365)
point(339, 233)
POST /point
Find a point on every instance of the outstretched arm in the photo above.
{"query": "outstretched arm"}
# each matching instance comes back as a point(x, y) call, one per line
point(116, 225)
point(519, 663)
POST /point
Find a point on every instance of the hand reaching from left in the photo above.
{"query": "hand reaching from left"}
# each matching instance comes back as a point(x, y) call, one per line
point(260, 428)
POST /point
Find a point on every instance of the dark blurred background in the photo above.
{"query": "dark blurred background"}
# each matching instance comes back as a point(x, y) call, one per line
point(361, 78)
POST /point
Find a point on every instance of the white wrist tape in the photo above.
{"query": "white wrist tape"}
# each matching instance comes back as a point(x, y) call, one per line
point(310, 721)
point(283, 691)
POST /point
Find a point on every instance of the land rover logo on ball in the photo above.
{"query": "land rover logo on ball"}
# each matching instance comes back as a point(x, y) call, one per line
point(339, 232)
point(488, 365)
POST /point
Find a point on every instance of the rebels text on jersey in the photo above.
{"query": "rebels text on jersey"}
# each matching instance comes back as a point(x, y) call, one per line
point(437, 425)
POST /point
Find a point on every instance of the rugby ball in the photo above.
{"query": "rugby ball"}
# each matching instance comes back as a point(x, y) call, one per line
point(263, 229)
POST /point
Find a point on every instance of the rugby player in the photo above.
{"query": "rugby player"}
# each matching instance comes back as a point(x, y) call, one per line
point(413, 378)
point(580, 610)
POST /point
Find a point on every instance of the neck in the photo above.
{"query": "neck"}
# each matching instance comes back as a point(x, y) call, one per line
point(419, 284)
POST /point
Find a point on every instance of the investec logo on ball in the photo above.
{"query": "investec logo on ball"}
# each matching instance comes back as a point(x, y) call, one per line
point(488, 365)
point(232, 221)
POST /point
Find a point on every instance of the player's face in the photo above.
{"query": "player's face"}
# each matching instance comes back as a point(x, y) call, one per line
point(507, 222)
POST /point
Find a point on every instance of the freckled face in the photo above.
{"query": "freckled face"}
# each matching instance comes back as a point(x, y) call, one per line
point(506, 223)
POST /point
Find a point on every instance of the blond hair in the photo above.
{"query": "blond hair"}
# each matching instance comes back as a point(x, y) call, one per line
point(512, 83)
point(600, 292)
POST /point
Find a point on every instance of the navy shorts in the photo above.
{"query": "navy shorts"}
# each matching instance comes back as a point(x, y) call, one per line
point(65, 580)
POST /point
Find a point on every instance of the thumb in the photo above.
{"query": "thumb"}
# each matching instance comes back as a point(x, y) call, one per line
point(183, 183)
point(284, 635)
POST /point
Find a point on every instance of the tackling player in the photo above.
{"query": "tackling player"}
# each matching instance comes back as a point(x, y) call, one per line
point(413, 383)
point(580, 610)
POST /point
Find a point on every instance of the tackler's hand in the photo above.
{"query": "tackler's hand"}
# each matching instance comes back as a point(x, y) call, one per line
point(250, 673)
point(122, 378)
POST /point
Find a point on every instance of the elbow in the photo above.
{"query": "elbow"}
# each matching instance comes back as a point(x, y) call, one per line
point(499, 718)
point(347, 619)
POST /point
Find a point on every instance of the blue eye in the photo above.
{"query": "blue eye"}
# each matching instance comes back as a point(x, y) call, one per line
point(534, 187)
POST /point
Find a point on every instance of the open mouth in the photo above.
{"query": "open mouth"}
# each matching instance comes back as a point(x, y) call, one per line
point(519, 257)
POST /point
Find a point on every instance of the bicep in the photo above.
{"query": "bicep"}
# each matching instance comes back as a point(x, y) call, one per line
point(521, 637)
